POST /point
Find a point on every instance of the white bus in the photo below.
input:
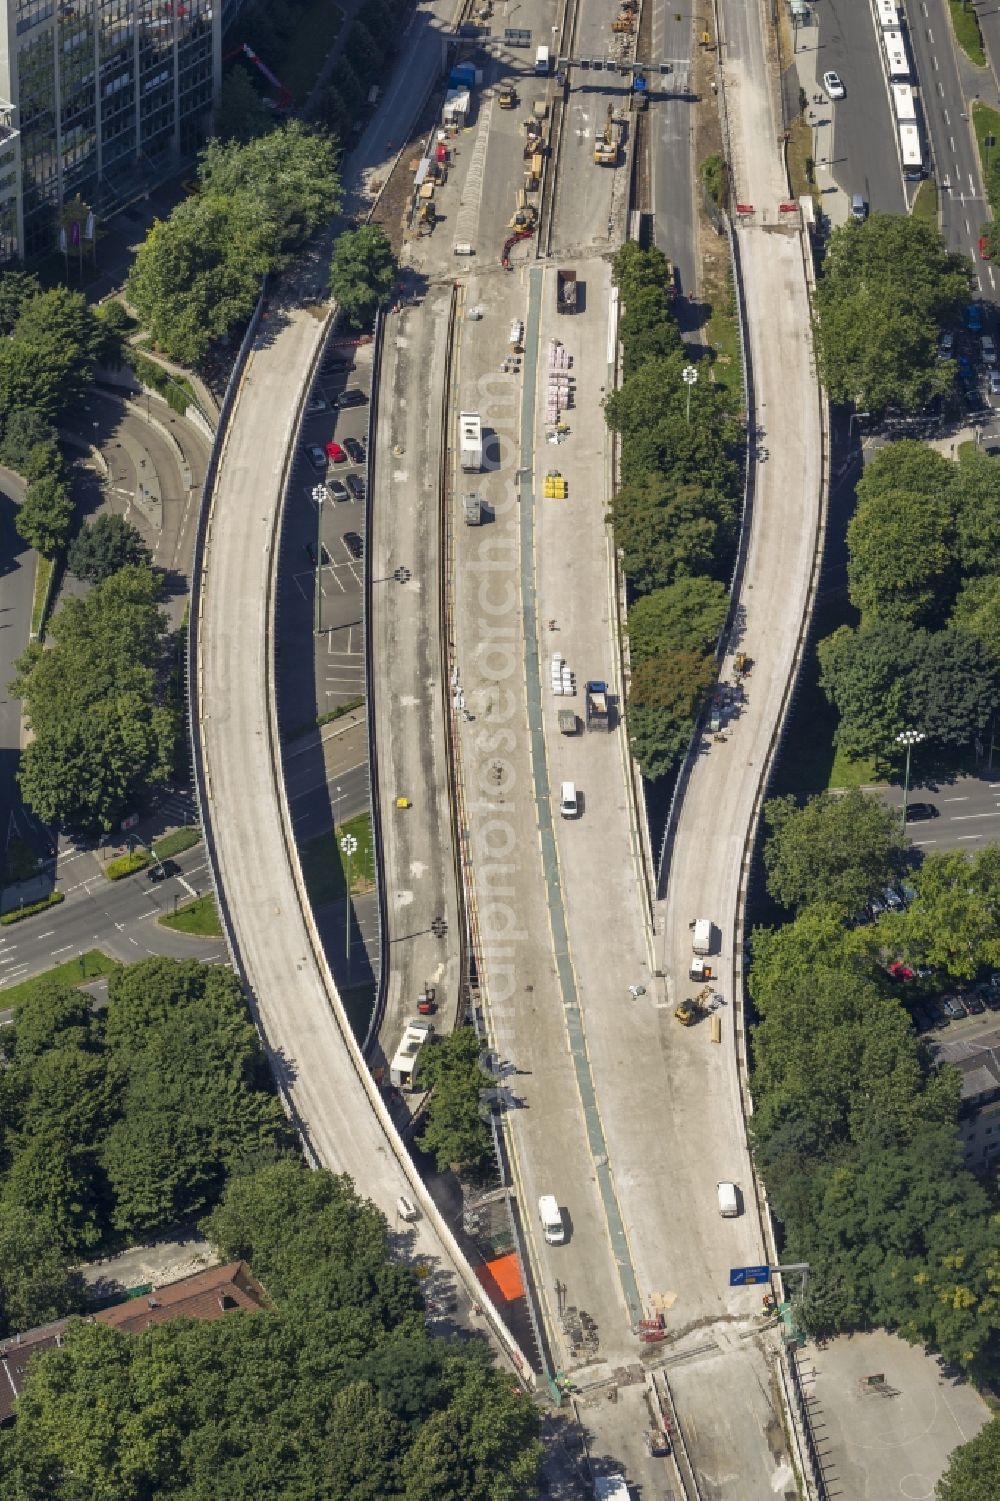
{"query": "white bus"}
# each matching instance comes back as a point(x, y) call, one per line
point(888, 14)
point(903, 104)
point(896, 62)
point(911, 153)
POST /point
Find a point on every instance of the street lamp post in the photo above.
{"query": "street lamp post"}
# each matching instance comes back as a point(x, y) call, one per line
point(348, 844)
point(689, 376)
point(319, 495)
point(909, 738)
point(336, 814)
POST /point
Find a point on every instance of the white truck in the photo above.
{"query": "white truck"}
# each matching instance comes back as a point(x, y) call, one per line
point(542, 61)
point(611, 1488)
point(701, 941)
point(470, 429)
point(552, 1221)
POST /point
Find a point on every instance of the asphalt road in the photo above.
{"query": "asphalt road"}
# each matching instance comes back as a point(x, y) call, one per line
point(671, 130)
point(963, 210)
point(968, 811)
point(116, 916)
point(864, 157)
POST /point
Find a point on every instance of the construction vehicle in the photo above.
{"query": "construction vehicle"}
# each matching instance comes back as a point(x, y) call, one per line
point(507, 97)
point(701, 970)
point(508, 245)
point(426, 1002)
point(426, 216)
point(470, 428)
point(283, 101)
point(693, 1008)
point(525, 214)
point(598, 713)
point(606, 144)
point(624, 23)
point(565, 290)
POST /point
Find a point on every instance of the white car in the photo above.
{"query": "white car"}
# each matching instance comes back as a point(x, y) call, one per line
point(995, 382)
point(833, 85)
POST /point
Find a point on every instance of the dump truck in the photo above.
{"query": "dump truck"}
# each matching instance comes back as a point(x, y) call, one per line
point(507, 96)
point(470, 429)
point(565, 290)
point(598, 714)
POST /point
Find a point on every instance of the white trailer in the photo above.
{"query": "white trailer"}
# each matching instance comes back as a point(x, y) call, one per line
point(470, 430)
point(403, 1068)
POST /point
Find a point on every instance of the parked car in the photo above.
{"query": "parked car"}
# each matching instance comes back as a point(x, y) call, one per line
point(995, 382)
point(984, 248)
point(833, 84)
point(946, 343)
point(316, 404)
point(965, 367)
point(352, 397)
point(354, 543)
point(335, 452)
point(897, 970)
point(337, 490)
point(356, 485)
point(974, 318)
point(953, 1007)
point(317, 458)
point(356, 449)
point(974, 1005)
point(920, 812)
point(892, 899)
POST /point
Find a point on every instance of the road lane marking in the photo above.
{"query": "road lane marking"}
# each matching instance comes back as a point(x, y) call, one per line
point(963, 799)
point(12, 975)
point(49, 934)
point(181, 882)
point(936, 63)
point(968, 231)
point(964, 817)
point(972, 186)
point(951, 143)
point(940, 89)
point(54, 952)
point(930, 38)
point(947, 121)
point(970, 836)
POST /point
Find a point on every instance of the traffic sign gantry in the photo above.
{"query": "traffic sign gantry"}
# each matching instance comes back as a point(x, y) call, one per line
point(746, 1276)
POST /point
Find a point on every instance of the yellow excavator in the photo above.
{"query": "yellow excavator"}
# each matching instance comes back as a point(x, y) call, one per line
point(606, 144)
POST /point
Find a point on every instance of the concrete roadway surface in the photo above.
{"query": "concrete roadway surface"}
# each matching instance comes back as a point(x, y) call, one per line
point(588, 197)
point(405, 637)
point(854, 139)
point(701, 1120)
point(116, 916)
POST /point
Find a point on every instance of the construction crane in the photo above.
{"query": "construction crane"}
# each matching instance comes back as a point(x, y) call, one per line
point(284, 97)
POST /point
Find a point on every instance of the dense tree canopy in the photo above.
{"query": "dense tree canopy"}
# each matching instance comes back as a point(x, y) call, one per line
point(334, 1391)
point(94, 700)
point(902, 557)
point(888, 288)
point(954, 922)
point(362, 272)
point(840, 850)
point(199, 272)
point(101, 549)
point(123, 1120)
point(46, 514)
point(973, 1472)
point(47, 363)
point(455, 1131)
point(666, 530)
point(685, 616)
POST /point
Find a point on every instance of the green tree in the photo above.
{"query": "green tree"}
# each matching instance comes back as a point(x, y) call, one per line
point(16, 289)
point(35, 1285)
point(455, 1131)
point(687, 615)
point(666, 698)
point(242, 114)
point(902, 559)
point(875, 676)
point(483, 1446)
point(23, 431)
point(46, 365)
point(973, 1472)
point(666, 530)
point(954, 922)
point(101, 730)
point(977, 611)
point(978, 503)
point(913, 467)
point(199, 273)
point(887, 289)
point(840, 850)
point(365, 1444)
point(362, 272)
point(108, 544)
point(46, 515)
point(366, 55)
point(291, 173)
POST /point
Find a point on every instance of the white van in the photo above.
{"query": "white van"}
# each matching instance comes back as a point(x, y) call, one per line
point(552, 1221)
point(728, 1203)
point(702, 940)
point(569, 803)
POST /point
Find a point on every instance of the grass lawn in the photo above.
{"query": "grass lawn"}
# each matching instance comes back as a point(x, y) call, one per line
point(177, 842)
point(799, 154)
point(87, 966)
point(967, 32)
point(324, 863)
point(198, 917)
point(986, 122)
point(925, 204)
point(723, 333)
point(43, 572)
point(809, 760)
point(313, 37)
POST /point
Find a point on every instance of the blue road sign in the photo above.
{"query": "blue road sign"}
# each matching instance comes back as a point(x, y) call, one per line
point(746, 1276)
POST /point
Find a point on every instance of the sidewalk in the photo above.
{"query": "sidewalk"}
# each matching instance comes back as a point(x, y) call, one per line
point(820, 117)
